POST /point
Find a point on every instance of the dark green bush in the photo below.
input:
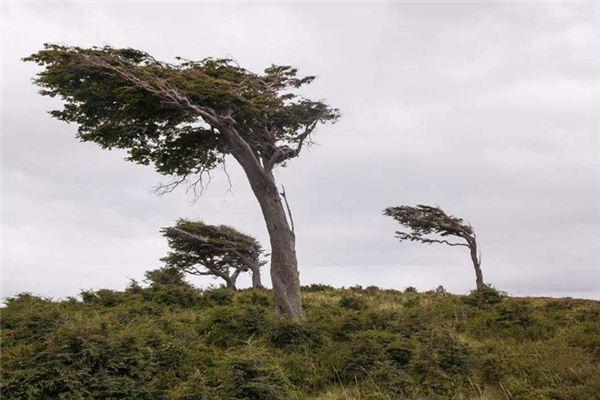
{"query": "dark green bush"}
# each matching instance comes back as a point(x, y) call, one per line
point(316, 287)
point(230, 326)
point(249, 374)
point(353, 302)
point(484, 297)
point(220, 296)
point(291, 334)
point(172, 341)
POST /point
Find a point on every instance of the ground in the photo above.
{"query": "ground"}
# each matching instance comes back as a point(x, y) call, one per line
point(174, 341)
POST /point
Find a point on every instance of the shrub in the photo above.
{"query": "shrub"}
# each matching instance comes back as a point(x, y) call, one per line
point(254, 296)
point(227, 326)
point(248, 374)
point(484, 297)
point(174, 295)
point(289, 334)
point(173, 341)
point(316, 287)
point(105, 297)
point(352, 302)
point(220, 296)
point(166, 276)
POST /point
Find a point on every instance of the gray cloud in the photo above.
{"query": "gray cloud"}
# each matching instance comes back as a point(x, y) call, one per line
point(490, 111)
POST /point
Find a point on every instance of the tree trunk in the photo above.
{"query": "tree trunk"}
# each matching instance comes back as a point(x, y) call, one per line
point(476, 264)
point(284, 265)
point(256, 281)
point(230, 283)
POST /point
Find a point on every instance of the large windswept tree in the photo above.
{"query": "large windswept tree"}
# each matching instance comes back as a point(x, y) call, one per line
point(185, 117)
point(426, 224)
point(198, 248)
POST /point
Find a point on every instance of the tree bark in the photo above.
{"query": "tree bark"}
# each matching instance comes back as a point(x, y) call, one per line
point(230, 283)
point(476, 264)
point(284, 264)
point(256, 281)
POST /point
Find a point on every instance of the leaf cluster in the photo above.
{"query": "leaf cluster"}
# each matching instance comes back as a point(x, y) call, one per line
point(423, 220)
point(202, 249)
point(117, 99)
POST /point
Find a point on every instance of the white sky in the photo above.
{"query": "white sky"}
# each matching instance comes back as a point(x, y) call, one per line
point(489, 111)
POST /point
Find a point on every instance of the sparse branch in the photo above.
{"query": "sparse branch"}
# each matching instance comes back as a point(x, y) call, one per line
point(287, 206)
point(427, 240)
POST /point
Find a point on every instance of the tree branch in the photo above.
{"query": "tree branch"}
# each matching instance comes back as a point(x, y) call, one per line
point(287, 205)
point(173, 95)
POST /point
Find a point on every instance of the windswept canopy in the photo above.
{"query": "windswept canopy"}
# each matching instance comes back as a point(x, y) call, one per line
point(170, 114)
point(202, 249)
point(423, 220)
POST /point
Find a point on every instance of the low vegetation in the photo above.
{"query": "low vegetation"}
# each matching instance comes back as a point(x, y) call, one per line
point(170, 340)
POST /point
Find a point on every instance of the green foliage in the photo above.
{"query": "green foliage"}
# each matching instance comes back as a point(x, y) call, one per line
point(123, 98)
point(172, 341)
point(423, 220)
point(316, 287)
point(352, 302)
point(291, 334)
point(198, 248)
point(165, 276)
point(220, 296)
point(484, 297)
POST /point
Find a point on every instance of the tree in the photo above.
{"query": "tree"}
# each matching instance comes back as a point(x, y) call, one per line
point(163, 276)
point(217, 250)
point(424, 221)
point(185, 117)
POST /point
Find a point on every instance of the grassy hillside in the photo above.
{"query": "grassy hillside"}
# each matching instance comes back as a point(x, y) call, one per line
point(172, 341)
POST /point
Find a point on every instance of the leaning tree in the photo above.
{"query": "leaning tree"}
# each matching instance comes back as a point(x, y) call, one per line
point(185, 117)
point(429, 225)
point(198, 248)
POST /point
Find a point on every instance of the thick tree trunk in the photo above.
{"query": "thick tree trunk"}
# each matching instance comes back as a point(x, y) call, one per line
point(256, 281)
point(284, 265)
point(476, 264)
point(231, 283)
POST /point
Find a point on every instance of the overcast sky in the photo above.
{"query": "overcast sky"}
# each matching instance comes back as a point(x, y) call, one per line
point(489, 111)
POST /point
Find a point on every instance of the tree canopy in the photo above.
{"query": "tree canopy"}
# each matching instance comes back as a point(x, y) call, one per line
point(423, 220)
point(173, 115)
point(198, 248)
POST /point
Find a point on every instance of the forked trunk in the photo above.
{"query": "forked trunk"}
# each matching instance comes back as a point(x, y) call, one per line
point(231, 283)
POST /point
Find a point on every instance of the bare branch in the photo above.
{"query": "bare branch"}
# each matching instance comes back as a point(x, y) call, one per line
point(287, 205)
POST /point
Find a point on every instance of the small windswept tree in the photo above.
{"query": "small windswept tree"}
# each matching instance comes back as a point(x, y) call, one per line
point(184, 118)
point(429, 225)
point(218, 250)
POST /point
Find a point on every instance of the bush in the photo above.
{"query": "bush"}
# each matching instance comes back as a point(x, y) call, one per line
point(220, 296)
point(485, 297)
point(249, 374)
point(172, 341)
point(227, 326)
point(166, 276)
point(353, 302)
point(290, 334)
point(316, 287)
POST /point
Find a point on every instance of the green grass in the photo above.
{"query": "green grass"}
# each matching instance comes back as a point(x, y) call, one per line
point(177, 342)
